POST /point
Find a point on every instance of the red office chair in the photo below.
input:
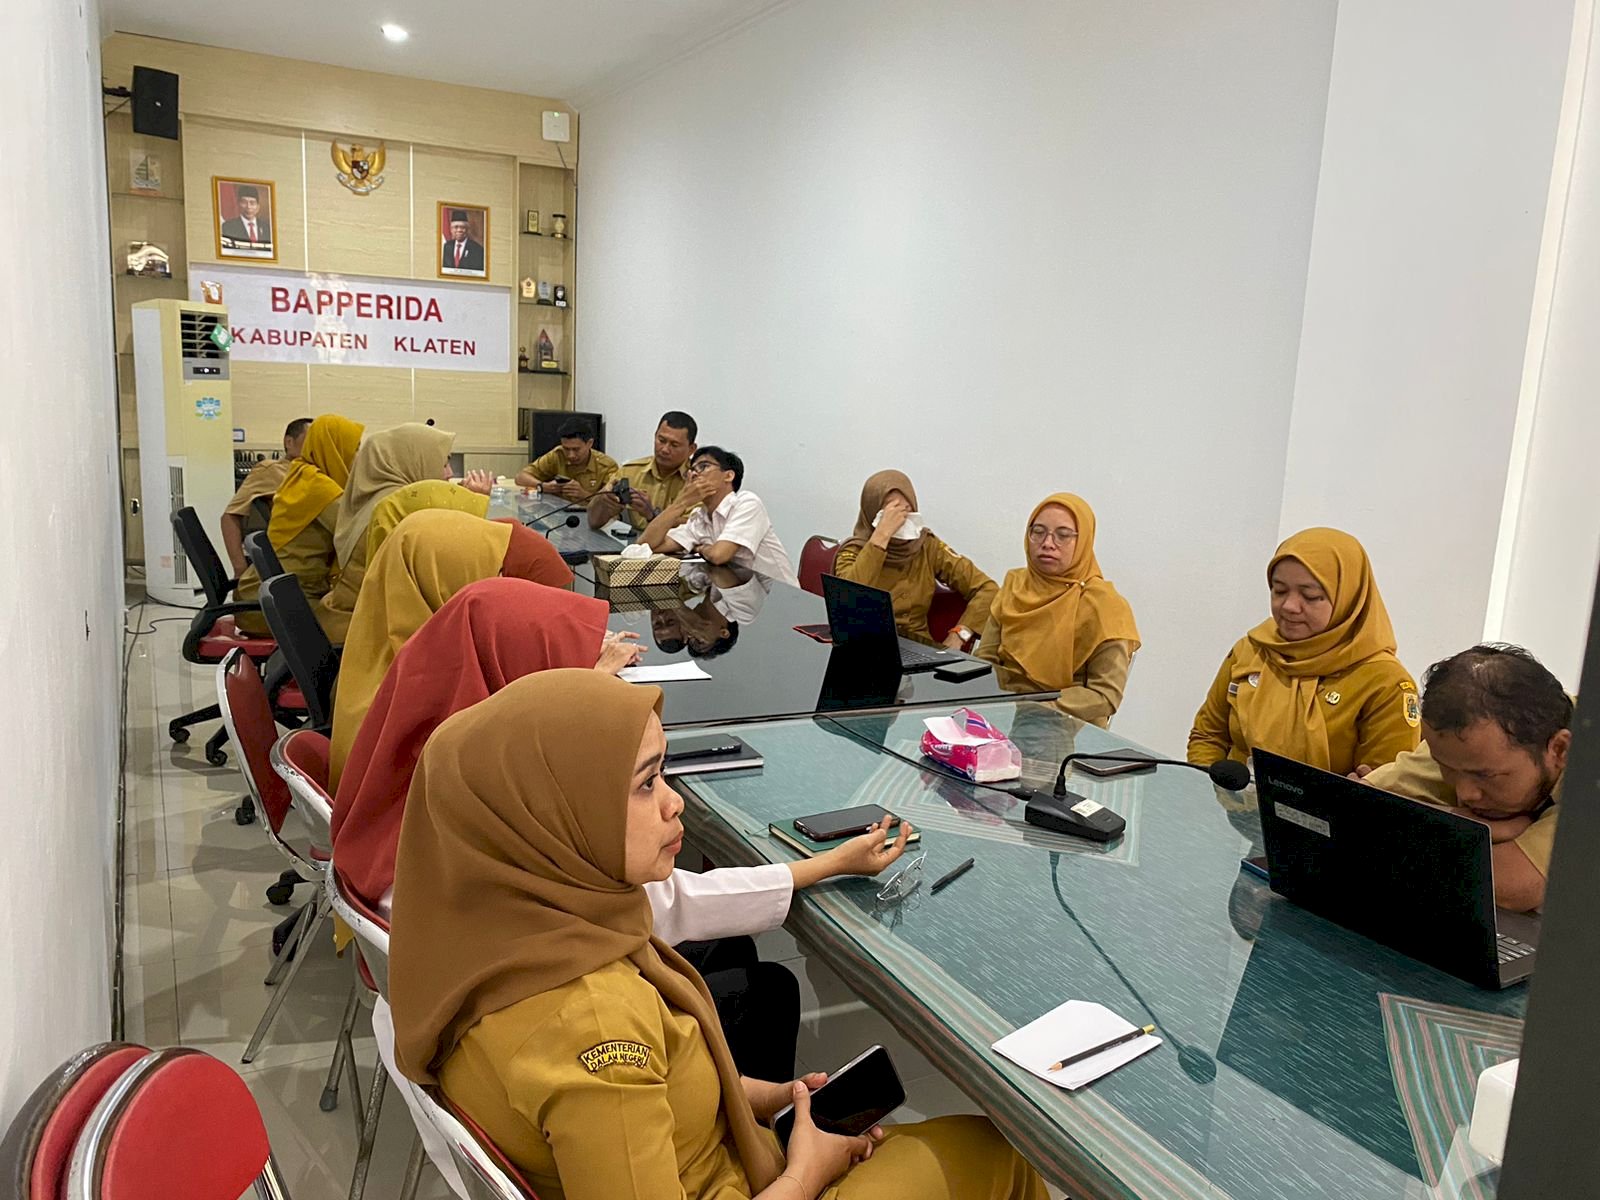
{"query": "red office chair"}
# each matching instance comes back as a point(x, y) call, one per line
point(177, 1123)
point(37, 1151)
point(816, 560)
point(486, 1171)
point(213, 631)
point(944, 613)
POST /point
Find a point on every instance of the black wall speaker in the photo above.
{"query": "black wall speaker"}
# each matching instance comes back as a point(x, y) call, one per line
point(155, 102)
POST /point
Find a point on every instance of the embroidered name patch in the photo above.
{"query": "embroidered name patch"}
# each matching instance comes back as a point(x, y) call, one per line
point(629, 1054)
point(1413, 709)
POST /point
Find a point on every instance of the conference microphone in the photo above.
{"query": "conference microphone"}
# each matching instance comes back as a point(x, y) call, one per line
point(1226, 773)
point(570, 523)
point(1069, 813)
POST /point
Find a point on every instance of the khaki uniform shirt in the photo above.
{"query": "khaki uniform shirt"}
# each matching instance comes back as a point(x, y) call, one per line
point(309, 557)
point(1096, 691)
point(660, 490)
point(912, 583)
point(265, 479)
point(1416, 776)
point(1371, 712)
point(592, 476)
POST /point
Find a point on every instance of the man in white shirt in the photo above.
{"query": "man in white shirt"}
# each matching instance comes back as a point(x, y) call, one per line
point(731, 526)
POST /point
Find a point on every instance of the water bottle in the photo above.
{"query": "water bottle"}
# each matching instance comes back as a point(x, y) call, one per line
point(500, 502)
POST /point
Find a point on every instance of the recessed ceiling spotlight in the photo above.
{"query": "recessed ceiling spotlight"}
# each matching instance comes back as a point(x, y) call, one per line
point(395, 33)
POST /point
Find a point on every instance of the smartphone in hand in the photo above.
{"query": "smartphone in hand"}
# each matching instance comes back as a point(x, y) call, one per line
point(856, 1097)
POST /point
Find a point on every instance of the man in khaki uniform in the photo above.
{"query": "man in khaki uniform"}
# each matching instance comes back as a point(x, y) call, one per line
point(574, 470)
point(264, 479)
point(655, 480)
point(1496, 728)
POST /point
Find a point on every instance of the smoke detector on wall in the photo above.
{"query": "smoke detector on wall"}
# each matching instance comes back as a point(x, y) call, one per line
point(557, 126)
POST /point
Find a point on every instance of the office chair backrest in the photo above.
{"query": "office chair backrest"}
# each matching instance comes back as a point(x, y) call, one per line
point(371, 930)
point(300, 757)
point(179, 1123)
point(37, 1151)
point(945, 612)
point(311, 657)
point(247, 712)
point(485, 1170)
point(816, 560)
point(260, 512)
point(258, 549)
point(202, 556)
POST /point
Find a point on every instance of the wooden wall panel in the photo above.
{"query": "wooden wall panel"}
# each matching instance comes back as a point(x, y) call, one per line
point(358, 235)
point(443, 175)
point(243, 152)
point(266, 397)
point(378, 397)
point(480, 408)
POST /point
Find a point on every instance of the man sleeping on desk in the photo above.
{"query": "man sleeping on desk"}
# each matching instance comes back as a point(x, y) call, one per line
point(1496, 727)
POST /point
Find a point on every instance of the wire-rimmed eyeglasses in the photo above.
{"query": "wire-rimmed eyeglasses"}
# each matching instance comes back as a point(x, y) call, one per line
point(904, 881)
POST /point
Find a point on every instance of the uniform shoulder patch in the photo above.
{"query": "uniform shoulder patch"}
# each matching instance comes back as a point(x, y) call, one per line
point(1413, 707)
point(606, 1054)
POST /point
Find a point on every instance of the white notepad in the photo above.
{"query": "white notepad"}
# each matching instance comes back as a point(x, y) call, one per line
point(666, 673)
point(1071, 1029)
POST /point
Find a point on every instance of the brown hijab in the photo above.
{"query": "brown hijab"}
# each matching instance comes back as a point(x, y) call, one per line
point(509, 877)
point(874, 493)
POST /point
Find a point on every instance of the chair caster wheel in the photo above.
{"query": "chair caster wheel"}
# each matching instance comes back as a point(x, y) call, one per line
point(279, 894)
point(245, 814)
point(329, 1100)
point(216, 757)
point(178, 733)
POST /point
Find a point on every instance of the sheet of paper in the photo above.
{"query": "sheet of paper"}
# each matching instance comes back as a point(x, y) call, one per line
point(1071, 1029)
point(676, 672)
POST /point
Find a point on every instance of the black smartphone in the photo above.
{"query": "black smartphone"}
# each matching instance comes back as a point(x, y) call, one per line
point(1105, 768)
point(713, 745)
point(956, 672)
point(856, 1097)
point(561, 479)
point(842, 822)
point(1256, 866)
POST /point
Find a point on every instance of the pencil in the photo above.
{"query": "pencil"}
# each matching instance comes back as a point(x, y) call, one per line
point(1104, 1046)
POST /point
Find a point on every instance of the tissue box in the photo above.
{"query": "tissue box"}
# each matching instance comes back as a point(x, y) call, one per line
point(612, 570)
point(637, 597)
point(965, 742)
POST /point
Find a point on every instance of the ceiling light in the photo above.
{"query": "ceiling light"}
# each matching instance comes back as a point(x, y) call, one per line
point(395, 33)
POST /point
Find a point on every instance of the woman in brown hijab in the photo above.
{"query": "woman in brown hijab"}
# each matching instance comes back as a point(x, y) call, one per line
point(527, 984)
point(892, 550)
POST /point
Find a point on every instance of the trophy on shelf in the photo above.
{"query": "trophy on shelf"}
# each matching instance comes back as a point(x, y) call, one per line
point(522, 360)
point(533, 221)
point(561, 295)
point(544, 292)
point(558, 225)
point(529, 291)
point(149, 260)
point(547, 352)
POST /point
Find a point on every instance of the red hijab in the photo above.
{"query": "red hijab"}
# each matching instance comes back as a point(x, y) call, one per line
point(489, 633)
point(530, 556)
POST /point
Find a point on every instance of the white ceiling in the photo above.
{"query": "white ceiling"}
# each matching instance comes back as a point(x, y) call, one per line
point(563, 49)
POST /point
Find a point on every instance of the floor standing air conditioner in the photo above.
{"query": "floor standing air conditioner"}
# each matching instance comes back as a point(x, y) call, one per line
point(180, 374)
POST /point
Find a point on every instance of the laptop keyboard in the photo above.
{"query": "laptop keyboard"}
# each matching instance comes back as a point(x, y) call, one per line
point(914, 657)
point(1510, 949)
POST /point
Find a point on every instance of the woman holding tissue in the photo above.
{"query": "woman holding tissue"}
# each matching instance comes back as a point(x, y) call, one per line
point(891, 549)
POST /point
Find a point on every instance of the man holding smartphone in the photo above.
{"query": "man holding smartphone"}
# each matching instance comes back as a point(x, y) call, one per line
point(574, 470)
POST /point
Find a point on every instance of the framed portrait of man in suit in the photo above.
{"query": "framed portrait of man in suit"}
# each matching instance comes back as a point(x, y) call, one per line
point(244, 218)
point(463, 241)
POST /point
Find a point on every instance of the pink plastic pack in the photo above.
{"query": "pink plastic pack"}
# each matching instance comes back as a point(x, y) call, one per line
point(965, 742)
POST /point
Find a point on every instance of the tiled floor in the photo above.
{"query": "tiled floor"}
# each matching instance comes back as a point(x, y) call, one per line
point(198, 943)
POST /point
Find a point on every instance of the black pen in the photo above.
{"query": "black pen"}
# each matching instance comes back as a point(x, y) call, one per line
point(952, 876)
point(1104, 1046)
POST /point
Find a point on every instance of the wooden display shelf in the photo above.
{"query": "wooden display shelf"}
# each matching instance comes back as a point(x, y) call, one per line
point(541, 304)
point(541, 371)
point(150, 196)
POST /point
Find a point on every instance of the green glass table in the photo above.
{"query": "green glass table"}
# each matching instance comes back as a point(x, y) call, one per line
point(1300, 1060)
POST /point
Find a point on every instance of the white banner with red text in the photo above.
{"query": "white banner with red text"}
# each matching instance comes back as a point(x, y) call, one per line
point(356, 321)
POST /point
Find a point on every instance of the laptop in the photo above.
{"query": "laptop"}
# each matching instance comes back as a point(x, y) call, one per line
point(1416, 878)
point(864, 616)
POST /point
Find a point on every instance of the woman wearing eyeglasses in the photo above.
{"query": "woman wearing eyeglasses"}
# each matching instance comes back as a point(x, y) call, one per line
point(892, 550)
point(1058, 624)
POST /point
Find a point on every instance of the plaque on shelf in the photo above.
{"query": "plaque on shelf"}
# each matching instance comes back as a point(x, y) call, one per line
point(148, 259)
point(528, 289)
point(561, 295)
point(558, 225)
point(533, 220)
point(544, 292)
point(210, 291)
point(547, 352)
point(522, 359)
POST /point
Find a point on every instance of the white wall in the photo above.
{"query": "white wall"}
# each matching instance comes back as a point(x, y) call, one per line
point(60, 586)
point(1552, 528)
point(1436, 162)
point(1008, 248)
